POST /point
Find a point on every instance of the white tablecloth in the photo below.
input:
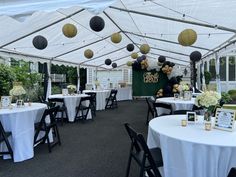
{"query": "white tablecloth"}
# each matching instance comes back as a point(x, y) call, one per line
point(71, 101)
point(192, 151)
point(124, 94)
point(101, 96)
point(177, 104)
point(20, 121)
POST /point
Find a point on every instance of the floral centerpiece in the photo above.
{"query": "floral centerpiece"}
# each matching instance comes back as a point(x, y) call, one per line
point(17, 91)
point(208, 100)
point(183, 87)
point(184, 90)
point(97, 84)
point(71, 89)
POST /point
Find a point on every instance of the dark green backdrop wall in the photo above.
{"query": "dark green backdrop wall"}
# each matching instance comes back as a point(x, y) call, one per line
point(140, 88)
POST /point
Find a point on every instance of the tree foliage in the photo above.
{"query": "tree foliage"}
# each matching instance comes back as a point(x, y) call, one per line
point(7, 76)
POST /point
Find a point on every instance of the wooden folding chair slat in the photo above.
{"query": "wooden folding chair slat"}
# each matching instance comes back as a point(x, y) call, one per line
point(4, 139)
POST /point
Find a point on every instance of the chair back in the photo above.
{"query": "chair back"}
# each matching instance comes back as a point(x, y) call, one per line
point(113, 94)
point(232, 172)
point(165, 106)
point(93, 97)
point(150, 106)
point(181, 111)
point(51, 113)
point(139, 145)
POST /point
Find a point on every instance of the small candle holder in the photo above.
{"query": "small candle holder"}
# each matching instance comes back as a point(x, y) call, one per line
point(183, 122)
point(208, 126)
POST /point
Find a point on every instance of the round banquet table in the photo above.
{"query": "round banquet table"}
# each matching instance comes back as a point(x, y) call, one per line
point(192, 151)
point(178, 104)
point(101, 96)
point(71, 101)
point(20, 121)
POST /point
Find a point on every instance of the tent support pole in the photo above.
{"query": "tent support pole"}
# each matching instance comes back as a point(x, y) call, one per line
point(175, 19)
point(42, 28)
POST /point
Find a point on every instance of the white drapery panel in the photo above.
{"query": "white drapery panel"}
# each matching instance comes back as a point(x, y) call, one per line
point(217, 68)
point(49, 88)
point(203, 76)
point(78, 75)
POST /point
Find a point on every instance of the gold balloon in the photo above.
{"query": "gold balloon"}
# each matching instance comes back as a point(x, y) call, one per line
point(116, 37)
point(187, 37)
point(88, 53)
point(134, 55)
point(69, 30)
point(144, 48)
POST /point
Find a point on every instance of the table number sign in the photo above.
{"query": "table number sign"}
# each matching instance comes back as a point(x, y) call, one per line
point(191, 116)
point(225, 119)
point(6, 101)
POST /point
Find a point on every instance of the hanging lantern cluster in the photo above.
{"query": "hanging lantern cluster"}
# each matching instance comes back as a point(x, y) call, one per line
point(134, 55)
point(108, 61)
point(88, 53)
point(40, 42)
point(187, 37)
point(144, 48)
point(69, 30)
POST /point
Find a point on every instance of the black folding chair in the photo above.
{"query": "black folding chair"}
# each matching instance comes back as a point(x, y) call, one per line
point(4, 139)
point(83, 108)
point(46, 126)
point(148, 159)
point(93, 102)
point(232, 172)
point(52, 102)
point(150, 110)
point(111, 101)
point(165, 106)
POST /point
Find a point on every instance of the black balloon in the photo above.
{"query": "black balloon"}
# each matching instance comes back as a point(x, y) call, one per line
point(195, 56)
point(171, 64)
point(97, 23)
point(166, 63)
point(140, 59)
point(108, 61)
point(173, 80)
point(161, 59)
point(136, 65)
point(143, 57)
point(167, 91)
point(130, 47)
point(40, 42)
point(114, 65)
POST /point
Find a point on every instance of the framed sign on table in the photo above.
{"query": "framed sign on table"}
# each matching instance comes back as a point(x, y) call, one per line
point(225, 119)
point(191, 116)
point(64, 92)
point(5, 101)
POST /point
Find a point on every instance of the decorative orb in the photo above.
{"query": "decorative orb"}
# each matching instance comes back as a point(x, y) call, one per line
point(88, 53)
point(69, 30)
point(40, 42)
point(130, 47)
point(134, 55)
point(187, 37)
point(195, 56)
point(129, 63)
point(116, 37)
point(114, 65)
point(97, 23)
point(108, 61)
point(144, 48)
point(161, 59)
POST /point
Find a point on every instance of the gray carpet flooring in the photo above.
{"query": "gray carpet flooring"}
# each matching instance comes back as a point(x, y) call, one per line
point(96, 148)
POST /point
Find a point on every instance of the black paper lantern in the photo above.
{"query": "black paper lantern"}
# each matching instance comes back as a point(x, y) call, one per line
point(195, 56)
point(40, 42)
point(97, 23)
point(161, 59)
point(130, 47)
point(114, 65)
point(108, 61)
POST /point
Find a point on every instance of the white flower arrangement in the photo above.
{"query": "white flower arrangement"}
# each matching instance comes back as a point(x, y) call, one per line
point(17, 90)
point(183, 87)
point(71, 87)
point(207, 99)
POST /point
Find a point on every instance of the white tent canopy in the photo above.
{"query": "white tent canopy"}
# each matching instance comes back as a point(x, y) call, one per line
point(155, 22)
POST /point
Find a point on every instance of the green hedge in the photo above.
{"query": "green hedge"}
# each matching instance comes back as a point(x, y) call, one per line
point(232, 94)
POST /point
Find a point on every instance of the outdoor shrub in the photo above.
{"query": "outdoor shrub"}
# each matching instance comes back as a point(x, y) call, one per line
point(7, 77)
point(232, 94)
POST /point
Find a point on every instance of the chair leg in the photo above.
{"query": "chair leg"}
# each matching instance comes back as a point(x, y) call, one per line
point(147, 120)
point(62, 116)
point(57, 135)
point(128, 166)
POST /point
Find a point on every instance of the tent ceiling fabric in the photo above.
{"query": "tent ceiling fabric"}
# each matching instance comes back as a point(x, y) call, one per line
point(47, 17)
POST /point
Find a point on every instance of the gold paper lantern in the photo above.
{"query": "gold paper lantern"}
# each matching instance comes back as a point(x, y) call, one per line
point(144, 48)
point(88, 53)
point(187, 37)
point(116, 37)
point(69, 30)
point(129, 63)
point(134, 55)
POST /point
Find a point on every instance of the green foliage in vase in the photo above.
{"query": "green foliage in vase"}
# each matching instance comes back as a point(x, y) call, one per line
point(225, 97)
point(7, 77)
point(232, 94)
